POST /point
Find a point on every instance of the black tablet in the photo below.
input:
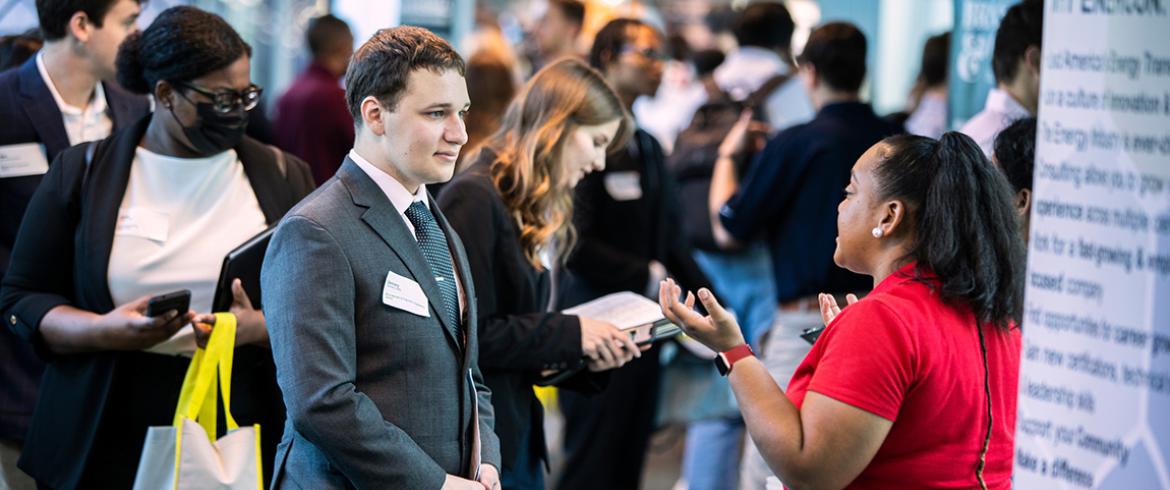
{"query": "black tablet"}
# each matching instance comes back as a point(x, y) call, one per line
point(244, 263)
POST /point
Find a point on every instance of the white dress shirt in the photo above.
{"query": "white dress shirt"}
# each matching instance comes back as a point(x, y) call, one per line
point(747, 68)
point(81, 125)
point(930, 117)
point(998, 112)
point(401, 199)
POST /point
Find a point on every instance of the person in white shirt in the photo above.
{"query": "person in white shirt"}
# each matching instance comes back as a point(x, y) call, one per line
point(151, 209)
point(1016, 63)
point(928, 100)
point(764, 33)
point(78, 57)
point(60, 96)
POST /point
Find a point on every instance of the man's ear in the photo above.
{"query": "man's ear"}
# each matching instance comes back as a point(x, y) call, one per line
point(1023, 202)
point(372, 115)
point(1032, 58)
point(80, 26)
point(809, 73)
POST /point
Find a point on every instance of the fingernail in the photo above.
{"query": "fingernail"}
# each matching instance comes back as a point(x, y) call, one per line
point(703, 293)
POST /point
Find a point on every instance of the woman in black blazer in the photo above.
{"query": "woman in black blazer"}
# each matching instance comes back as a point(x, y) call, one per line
point(512, 205)
point(100, 391)
point(631, 238)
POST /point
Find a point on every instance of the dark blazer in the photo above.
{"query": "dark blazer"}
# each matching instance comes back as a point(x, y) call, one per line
point(94, 408)
point(378, 397)
point(617, 238)
point(517, 337)
point(30, 115)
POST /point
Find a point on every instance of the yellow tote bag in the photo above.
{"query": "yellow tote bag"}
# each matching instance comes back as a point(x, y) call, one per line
point(187, 455)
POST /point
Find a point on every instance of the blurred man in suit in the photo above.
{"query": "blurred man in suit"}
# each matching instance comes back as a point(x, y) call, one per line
point(62, 96)
point(371, 308)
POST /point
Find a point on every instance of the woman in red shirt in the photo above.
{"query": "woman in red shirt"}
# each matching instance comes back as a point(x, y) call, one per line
point(915, 385)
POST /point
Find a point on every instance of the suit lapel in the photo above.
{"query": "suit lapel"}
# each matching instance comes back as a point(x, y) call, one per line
point(383, 218)
point(273, 192)
point(104, 189)
point(40, 107)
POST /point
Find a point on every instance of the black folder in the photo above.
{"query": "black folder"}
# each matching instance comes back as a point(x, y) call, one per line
point(244, 263)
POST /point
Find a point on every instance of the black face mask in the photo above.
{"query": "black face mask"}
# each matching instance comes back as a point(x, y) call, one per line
point(214, 132)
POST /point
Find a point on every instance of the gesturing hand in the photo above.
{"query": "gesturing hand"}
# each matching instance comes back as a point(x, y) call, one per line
point(829, 308)
point(718, 331)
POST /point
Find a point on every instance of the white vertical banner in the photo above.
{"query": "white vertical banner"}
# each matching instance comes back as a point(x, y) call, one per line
point(1094, 406)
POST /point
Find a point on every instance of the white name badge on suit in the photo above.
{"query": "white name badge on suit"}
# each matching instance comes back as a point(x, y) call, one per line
point(22, 160)
point(405, 294)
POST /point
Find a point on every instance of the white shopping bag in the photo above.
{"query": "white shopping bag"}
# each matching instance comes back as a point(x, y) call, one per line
point(187, 455)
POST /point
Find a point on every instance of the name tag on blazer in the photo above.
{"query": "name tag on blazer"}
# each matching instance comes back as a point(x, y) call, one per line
point(23, 160)
point(405, 294)
point(143, 223)
point(624, 186)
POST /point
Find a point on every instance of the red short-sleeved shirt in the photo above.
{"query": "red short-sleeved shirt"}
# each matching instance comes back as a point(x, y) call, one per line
point(904, 355)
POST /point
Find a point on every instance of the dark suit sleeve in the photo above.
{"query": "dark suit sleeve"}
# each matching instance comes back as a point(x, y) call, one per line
point(40, 274)
point(528, 341)
point(599, 263)
point(314, 345)
point(489, 441)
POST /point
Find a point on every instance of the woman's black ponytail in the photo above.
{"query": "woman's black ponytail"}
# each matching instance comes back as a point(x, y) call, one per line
point(965, 221)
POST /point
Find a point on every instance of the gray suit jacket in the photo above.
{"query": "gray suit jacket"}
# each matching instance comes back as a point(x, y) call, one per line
point(377, 397)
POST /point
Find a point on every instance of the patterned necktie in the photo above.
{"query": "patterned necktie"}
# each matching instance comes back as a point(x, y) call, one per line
point(434, 248)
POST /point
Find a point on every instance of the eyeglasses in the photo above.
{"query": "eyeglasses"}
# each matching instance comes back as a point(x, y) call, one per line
point(226, 101)
point(647, 53)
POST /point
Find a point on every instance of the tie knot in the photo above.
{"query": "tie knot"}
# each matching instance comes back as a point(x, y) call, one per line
point(419, 215)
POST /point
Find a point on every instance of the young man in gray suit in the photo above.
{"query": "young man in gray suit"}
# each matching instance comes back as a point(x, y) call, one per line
point(369, 301)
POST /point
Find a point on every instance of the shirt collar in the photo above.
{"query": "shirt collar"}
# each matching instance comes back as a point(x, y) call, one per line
point(1001, 102)
point(845, 107)
point(394, 190)
point(756, 54)
point(748, 67)
point(904, 274)
point(97, 102)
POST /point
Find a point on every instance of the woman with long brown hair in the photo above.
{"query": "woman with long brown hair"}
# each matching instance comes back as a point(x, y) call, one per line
point(513, 209)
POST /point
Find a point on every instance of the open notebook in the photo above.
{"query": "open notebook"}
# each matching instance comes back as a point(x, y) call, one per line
point(630, 312)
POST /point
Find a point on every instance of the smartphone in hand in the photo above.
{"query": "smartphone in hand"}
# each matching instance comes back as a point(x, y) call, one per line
point(179, 301)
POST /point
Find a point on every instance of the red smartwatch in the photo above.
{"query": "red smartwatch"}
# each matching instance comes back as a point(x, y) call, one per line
point(727, 358)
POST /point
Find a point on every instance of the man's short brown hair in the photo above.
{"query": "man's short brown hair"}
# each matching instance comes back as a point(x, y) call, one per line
point(382, 65)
